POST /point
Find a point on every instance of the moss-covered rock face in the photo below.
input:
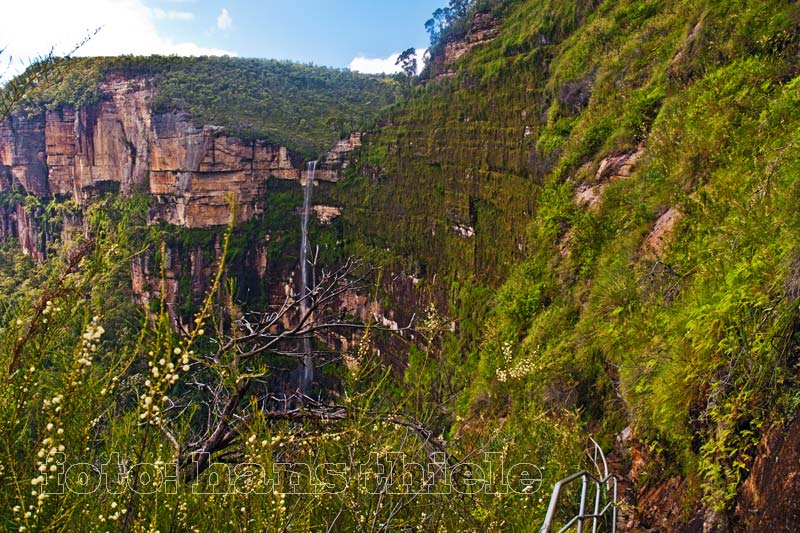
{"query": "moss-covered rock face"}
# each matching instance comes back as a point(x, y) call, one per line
point(621, 175)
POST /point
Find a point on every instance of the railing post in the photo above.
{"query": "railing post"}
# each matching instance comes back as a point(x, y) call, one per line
point(601, 494)
point(582, 509)
point(614, 510)
point(551, 509)
point(598, 488)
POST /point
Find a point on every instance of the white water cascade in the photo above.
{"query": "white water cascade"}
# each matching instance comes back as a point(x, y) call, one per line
point(305, 286)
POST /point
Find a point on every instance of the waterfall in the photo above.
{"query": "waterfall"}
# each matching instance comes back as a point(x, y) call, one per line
point(308, 363)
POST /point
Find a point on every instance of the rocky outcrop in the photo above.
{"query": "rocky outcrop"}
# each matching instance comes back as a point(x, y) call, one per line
point(485, 27)
point(326, 213)
point(31, 240)
point(612, 168)
point(589, 192)
point(650, 502)
point(660, 235)
point(338, 158)
point(769, 497)
point(188, 272)
point(767, 500)
point(120, 144)
point(23, 156)
point(193, 170)
point(575, 95)
point(681, 67)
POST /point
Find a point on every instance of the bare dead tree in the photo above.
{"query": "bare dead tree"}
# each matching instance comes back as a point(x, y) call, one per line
point(233, 381)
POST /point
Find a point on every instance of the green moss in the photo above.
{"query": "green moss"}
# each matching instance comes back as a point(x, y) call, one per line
point(688, 346)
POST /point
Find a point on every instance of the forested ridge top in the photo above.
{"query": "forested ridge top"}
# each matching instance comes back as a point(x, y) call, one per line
point(303, 107)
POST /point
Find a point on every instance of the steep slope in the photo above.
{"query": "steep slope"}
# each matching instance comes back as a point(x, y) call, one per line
point(594, 201)
point(186, 131)
point(189, 136)
point(603, 196)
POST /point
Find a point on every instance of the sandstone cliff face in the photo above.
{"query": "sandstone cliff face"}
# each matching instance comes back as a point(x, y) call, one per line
point(121, 144)
point(768, 499)
point(23, 158)
point(484, 28)
point(23, 225)
point(186, 277)
point(338, 158)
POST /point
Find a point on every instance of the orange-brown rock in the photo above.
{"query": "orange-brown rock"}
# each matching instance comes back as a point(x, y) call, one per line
point(660, 235)
point(769, 499)
point(120, 144)
point(23, 155)
point(484, 28)
point(612, 168)
point(326, 213)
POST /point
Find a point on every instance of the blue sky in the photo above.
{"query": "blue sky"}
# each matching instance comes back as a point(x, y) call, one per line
point(324, 32)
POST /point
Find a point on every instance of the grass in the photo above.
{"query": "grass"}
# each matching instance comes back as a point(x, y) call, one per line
point(692, 350)
point(564, 321)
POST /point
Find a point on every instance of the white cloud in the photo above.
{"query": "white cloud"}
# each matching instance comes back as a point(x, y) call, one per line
point(377, 65)
point(373, 65)
point(160, 14)
point(31, 28)
point(224, 20)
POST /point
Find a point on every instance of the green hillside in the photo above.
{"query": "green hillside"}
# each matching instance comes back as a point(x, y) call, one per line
point(303, 107)
point(693, 346)
point(593, 221)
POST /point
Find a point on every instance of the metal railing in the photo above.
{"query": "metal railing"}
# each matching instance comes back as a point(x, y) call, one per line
point(603, 483)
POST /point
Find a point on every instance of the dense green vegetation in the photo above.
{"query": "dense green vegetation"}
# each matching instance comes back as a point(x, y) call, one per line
point(565, 321)
point(303, 107)
point(693, 346)
point(90, 380)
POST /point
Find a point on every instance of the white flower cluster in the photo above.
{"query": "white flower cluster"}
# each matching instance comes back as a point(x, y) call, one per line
point(113, 516)
point(163, 373)
point(46, 467)
point(52, 441)
point(48, 310)
point(89, 341)
point(434, 322)
point(521, 369)
point(254, 451)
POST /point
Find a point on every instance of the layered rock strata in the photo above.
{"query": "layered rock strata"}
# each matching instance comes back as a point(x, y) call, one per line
point(121, 144)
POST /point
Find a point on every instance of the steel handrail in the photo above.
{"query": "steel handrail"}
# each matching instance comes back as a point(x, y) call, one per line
point(605, 479)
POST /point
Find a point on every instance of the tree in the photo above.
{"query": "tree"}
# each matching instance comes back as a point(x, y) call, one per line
point(437, 23)
point(460, 8)
point(447, 19)
point(408, 62)
point(44, 70)
point(20, 86)
point(232, 379)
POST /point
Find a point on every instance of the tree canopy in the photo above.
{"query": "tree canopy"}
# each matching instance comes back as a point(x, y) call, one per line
point(303, 107)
